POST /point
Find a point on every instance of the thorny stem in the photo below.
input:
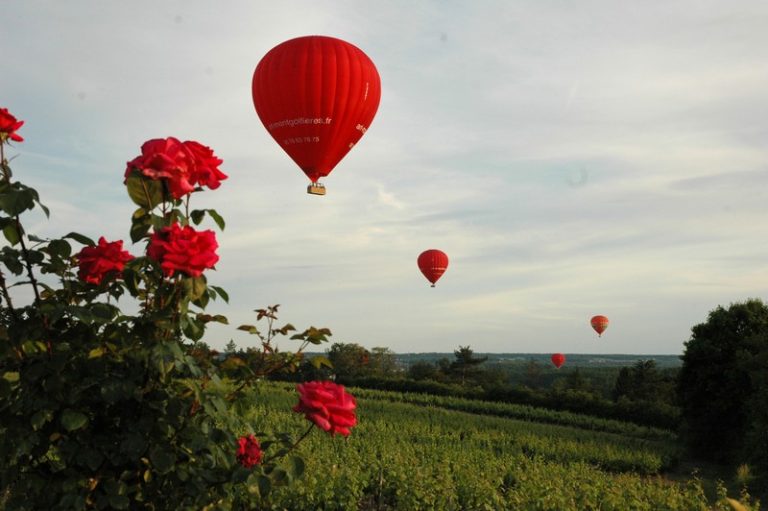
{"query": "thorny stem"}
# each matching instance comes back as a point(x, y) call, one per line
point(24, 250)
point(291, 448)
point(7, 295)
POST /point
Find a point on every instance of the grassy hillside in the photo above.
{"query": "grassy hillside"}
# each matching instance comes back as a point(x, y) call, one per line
point(412, 453)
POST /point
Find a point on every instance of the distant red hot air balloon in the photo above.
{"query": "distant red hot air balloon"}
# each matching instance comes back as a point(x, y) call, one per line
point(599, 323)
point(558, 359)
point(433, 264)
point(316, 96)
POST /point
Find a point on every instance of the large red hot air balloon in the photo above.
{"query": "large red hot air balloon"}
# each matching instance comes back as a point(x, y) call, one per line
point(433, 264)
point(558, 359)
point(599, 323)
point(316, 96)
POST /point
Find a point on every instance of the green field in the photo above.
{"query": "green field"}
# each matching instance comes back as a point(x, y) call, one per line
point(423, 452)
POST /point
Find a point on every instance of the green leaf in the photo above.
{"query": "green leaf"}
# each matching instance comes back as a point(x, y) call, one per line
point(221, 293)
point(15, 200)
point(194, 287)
point(143, 191)
point(197, 216)
point(249, 328)
point(12, 234)
point(217, 218)
point(59, 248)
point(295, 467)
point(140, 227)
point(97, 352)
point(119, 501)
point(162, 460)
point(39, 418)
point(320, 361)
point(84, 240)
point(72, 420)
point(259, 484)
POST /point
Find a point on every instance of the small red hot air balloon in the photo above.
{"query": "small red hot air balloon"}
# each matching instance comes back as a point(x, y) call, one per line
point(599, 323)
point(558, 359)
point(433, 264)
point(316, 95)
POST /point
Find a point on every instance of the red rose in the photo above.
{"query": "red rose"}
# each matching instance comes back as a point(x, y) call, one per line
point(183, 165)
point(96, 262)
point(167, 159)
point(206, 171)
point(183, 249)
point(328, 405)
point(8, 126)
point(248, 451)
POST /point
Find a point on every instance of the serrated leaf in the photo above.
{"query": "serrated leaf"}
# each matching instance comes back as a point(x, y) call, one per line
point(72, 420)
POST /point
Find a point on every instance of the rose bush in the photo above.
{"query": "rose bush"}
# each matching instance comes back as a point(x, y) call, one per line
point(102, 409)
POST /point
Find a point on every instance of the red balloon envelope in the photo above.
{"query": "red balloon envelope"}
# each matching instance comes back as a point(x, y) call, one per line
point(558, 359)
point(599, 323)
point(316, 96)
point(433, 264)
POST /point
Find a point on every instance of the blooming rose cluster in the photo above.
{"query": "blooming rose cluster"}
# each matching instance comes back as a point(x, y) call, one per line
point(327, 405)
point(96, 262)
point(183, 165)
point(183, 249)
point(248, 451)
point(8, 126)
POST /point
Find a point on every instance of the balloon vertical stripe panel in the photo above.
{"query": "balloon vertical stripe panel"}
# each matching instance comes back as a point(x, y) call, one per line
point(316, 96)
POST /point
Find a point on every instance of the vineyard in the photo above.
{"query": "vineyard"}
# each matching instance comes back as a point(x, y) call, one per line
point(424, 452)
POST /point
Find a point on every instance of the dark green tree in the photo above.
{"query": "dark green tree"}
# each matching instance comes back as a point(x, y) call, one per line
point(643, 382)
point(422, 370)
point(382, 362)
point(722, 380)
point(466, 365)
point(349, 360)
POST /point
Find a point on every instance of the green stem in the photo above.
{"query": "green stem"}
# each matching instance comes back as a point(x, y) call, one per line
point(291, 448)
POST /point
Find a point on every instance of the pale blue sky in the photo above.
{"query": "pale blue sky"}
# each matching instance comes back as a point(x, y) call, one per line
point(571, 158)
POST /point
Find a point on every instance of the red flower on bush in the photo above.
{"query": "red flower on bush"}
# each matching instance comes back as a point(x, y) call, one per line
point(183, 249)
point(8, 126)
point(182, 165)
point(248, 451)
point(206, 171)
point(328, 405)
point(96, 262)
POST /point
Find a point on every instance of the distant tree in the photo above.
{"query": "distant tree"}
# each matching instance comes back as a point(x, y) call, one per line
point(349, 359)
point(532, 378)
point(231, 347)
point(382, 362)
point(466, 364)
point(722, 385)
point(577, 381)
point(423, 370)
point(642, 382)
